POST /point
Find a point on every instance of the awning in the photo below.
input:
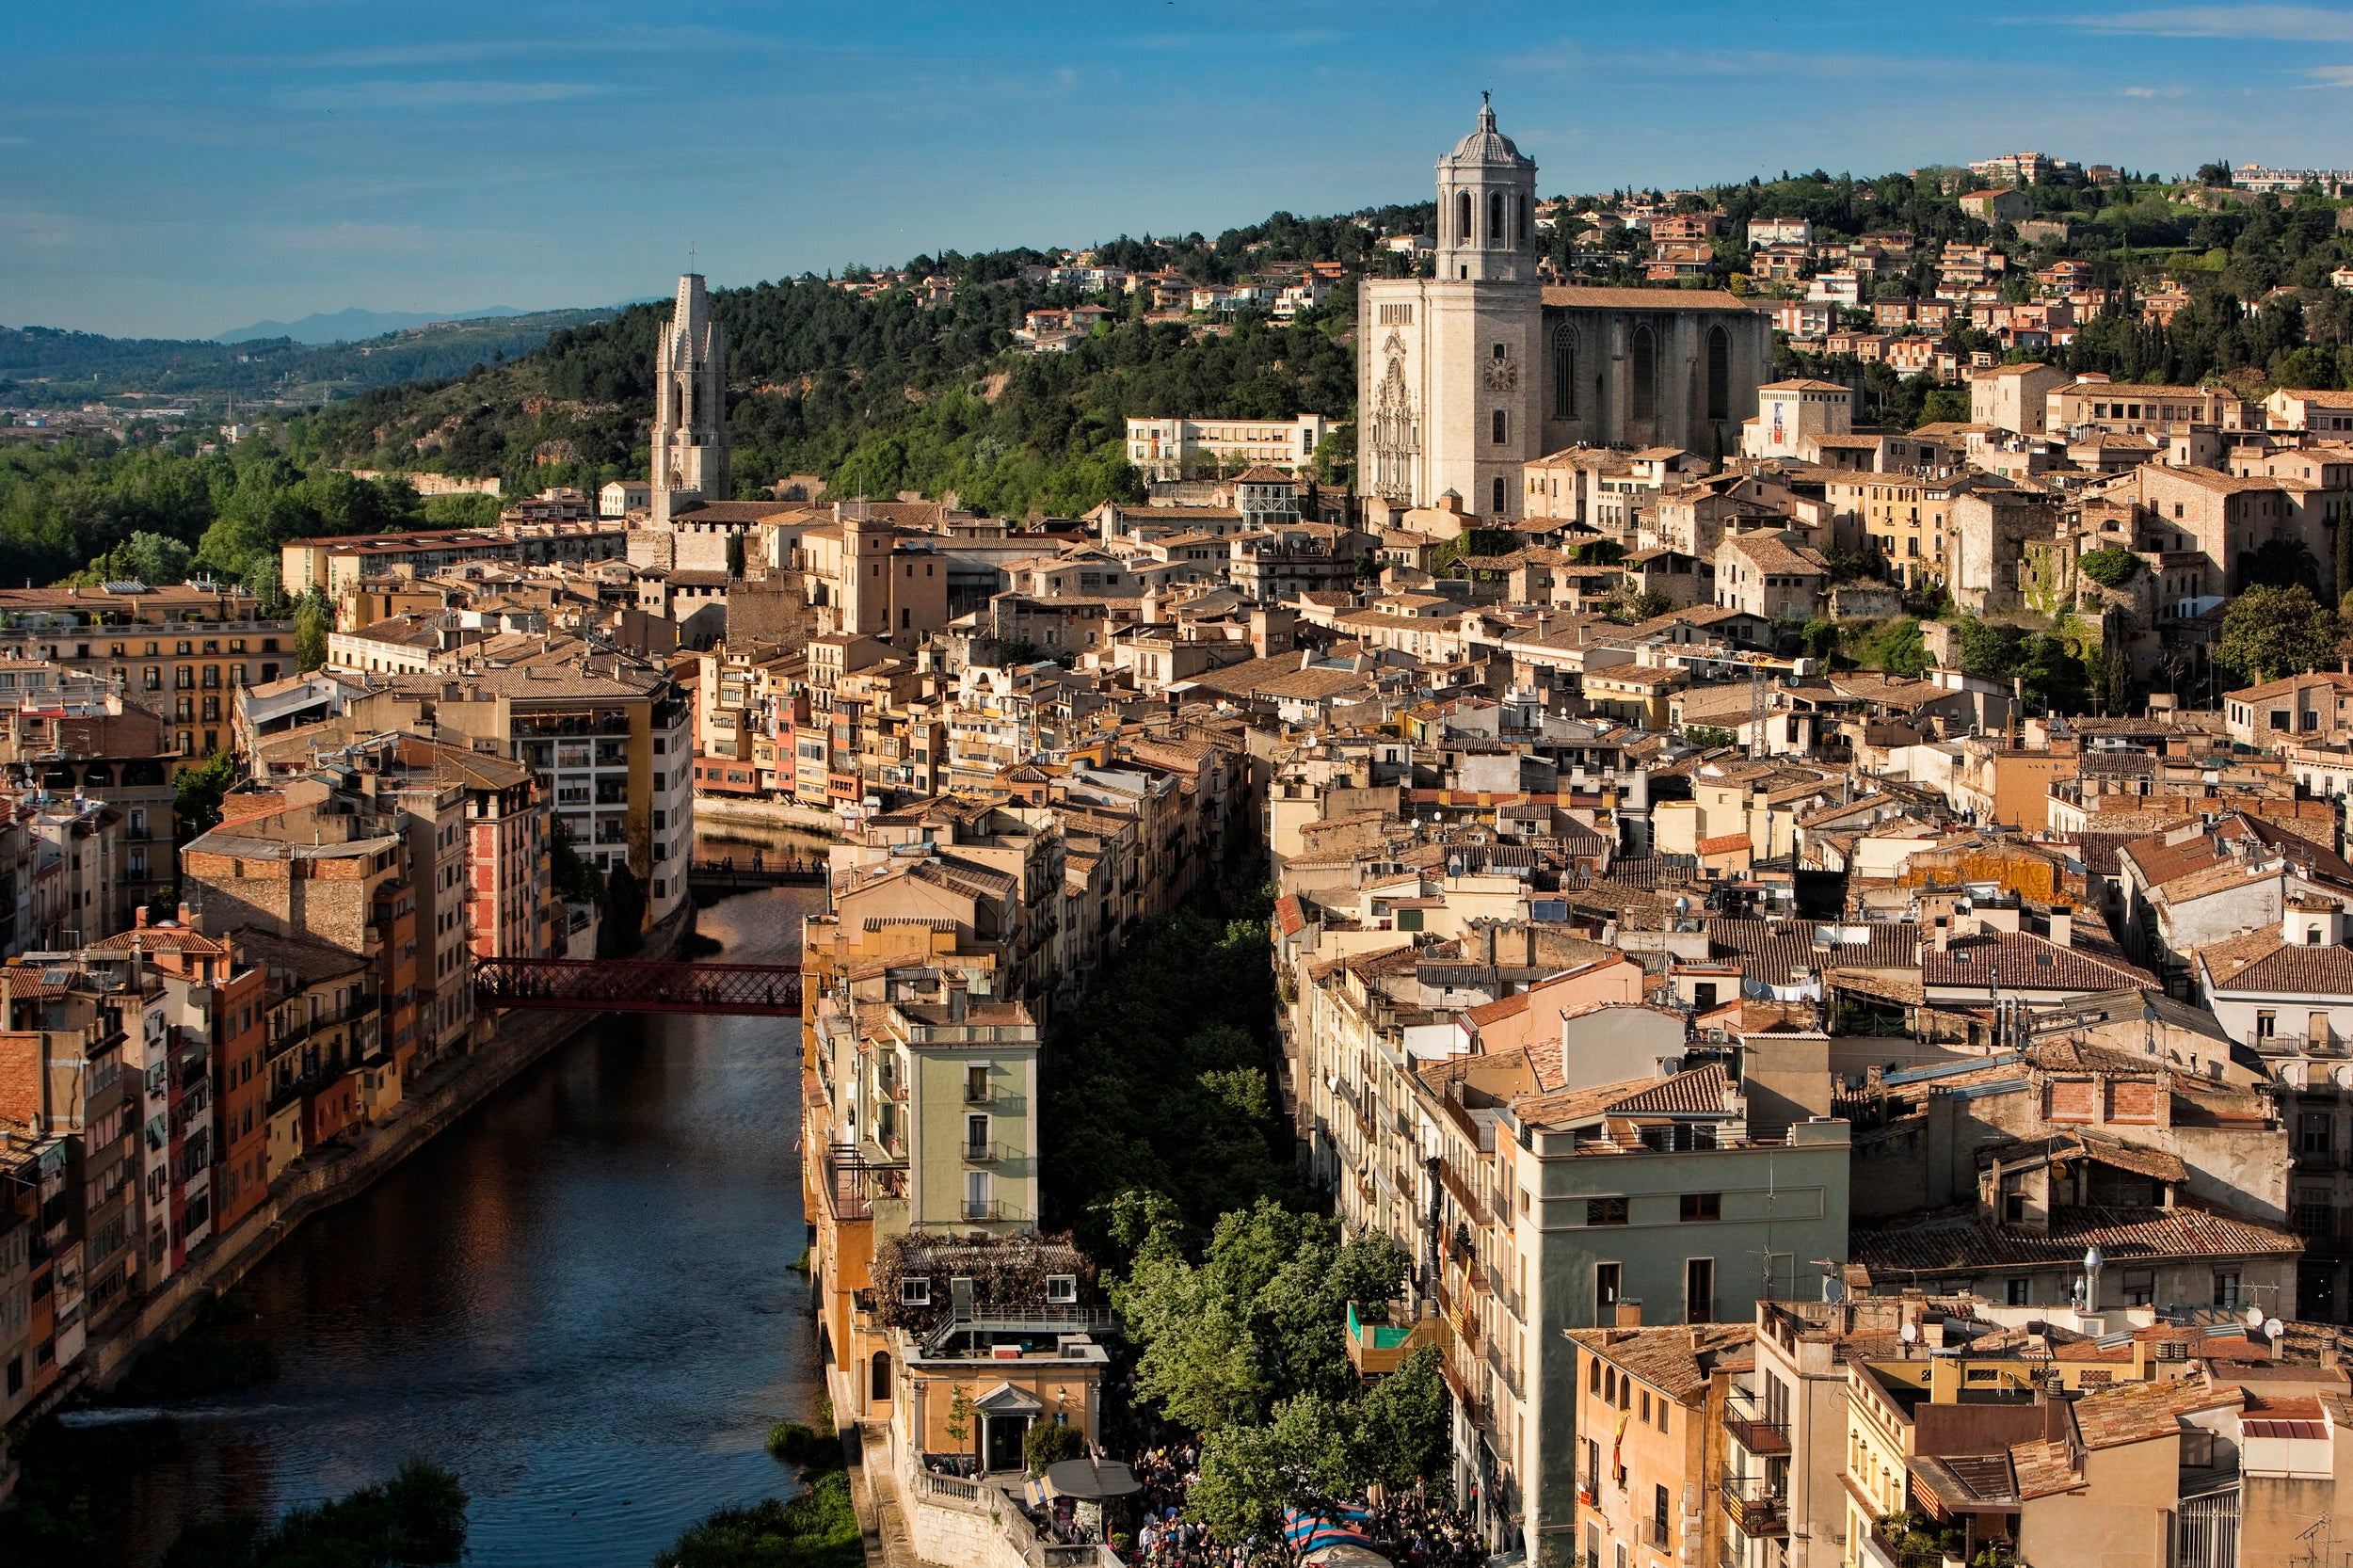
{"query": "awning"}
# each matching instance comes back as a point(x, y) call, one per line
point(1089, 1479)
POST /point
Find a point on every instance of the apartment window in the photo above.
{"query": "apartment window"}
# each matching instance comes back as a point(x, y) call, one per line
point(1604, 1211)
point(2020, 1292)
point(976, 1200)
point(2225, 1288)
point(1659, 1536)
point(975, 1137)
point(1698, 1290)
point(1606, 1278)
point(2140, 1286)
point(1703, 1205)
point(2311, 1132)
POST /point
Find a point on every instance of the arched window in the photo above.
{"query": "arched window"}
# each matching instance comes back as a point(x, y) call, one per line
point(1463, 233)
point(1502, 426)
point(1564, 372)
point(1525, 207)
point(1718, 373)
point(881, 1389)
point(1500, 502)
point(1495, 219)
point(1646, 374)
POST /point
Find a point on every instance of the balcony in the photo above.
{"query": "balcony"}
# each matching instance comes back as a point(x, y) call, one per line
point(1756, 1506)
point(1758, 1437)
point(984, 1209)
point(981, 1153)
point(1376, 1349)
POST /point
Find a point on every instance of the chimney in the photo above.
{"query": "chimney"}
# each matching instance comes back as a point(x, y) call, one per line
point(2062, 926)
point(1629, 1313)
point(1943, 934)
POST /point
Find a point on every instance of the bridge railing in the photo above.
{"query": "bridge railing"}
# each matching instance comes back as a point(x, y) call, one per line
point(626, 986)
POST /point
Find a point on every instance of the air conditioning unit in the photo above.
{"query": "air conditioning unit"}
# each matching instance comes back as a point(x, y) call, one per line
point(915, 1290)
point(1062, 1290)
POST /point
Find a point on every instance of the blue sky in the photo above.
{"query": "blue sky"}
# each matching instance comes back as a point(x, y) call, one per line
point(183, 168)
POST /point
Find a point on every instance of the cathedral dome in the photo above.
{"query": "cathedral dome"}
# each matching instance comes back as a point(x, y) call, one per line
point(1487, 144)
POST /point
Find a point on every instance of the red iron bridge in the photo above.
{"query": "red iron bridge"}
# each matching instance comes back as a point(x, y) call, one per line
point(584, 986)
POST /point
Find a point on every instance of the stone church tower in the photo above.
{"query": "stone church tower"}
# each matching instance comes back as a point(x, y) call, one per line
point(1465, 376)
point(1442, 390)
point(690, 421)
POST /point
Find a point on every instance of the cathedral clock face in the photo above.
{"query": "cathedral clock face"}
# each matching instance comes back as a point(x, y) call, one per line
point(1503, 376)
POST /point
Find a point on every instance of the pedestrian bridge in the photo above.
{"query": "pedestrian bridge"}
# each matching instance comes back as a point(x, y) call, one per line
point(585, 985)
point(735, 872)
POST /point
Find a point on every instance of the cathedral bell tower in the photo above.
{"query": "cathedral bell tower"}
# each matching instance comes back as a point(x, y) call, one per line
point(1486, 208)
point(1446, 384)
point(690, 421)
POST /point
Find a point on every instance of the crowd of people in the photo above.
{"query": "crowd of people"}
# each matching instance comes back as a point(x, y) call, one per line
point(1164, 1537)
point(1412, 1530)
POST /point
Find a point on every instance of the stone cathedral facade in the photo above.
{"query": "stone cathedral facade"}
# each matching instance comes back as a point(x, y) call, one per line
point(1465, 376)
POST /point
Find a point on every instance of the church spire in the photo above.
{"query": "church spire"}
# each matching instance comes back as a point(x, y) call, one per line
point(690, 420)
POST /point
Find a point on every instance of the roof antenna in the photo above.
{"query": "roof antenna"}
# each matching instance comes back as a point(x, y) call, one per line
point(693, 251)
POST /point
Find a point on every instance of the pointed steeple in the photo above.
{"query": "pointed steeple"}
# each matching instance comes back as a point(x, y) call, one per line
point(690, 421)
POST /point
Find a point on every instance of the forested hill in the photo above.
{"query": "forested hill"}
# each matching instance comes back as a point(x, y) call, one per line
point(879, 392)
point(45, 367)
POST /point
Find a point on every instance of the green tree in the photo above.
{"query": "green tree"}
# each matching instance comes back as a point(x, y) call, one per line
point(1048, 1443)
point(1707, 737)
point(1401, 1438)
point(621, 926)
point(1629, 605)
point(197, 789)
point(2110, 566)
point(314, 620)
point(2116, 672)
point(1897, 647)
point(1260, 1318)
point(2280, 563)
point(816, 1530)
point(2271, 631)
point(419, 1516)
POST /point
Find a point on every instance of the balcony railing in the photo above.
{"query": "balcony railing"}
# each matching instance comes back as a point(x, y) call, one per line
point(2327, 1046)
point(981, 1153)
point(1756, 1506)
point(1758, 1437)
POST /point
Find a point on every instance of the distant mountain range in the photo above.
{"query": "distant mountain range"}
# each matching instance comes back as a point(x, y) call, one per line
point(354, 324)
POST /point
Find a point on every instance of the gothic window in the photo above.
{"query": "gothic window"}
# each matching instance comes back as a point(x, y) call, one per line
point(1499, 497)
point(1462, 232)
point(1718, 373)
point(1646, 374)
point(1525, 206)
point(1495, 219)
point(1564, 372)
point(1502, 422)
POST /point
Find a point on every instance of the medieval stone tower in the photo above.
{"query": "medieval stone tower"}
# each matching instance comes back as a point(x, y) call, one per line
point(690, 421)
point(1465, 376)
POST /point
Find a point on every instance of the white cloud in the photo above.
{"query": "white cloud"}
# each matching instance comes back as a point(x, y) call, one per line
point(2331, 77)
point(437, 95)
point(2175, 91)
point(2294, 24)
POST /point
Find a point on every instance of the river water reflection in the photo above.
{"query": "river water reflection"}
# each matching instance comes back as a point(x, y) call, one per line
point(580, 1298)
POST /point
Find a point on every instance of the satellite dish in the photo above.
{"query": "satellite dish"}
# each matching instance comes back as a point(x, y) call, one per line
point(2254, 1317)
point(1912, 1333)
point(1834, 1288)
point(2273, 1328)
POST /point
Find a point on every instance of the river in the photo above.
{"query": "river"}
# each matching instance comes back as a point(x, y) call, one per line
point(580, 1298)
